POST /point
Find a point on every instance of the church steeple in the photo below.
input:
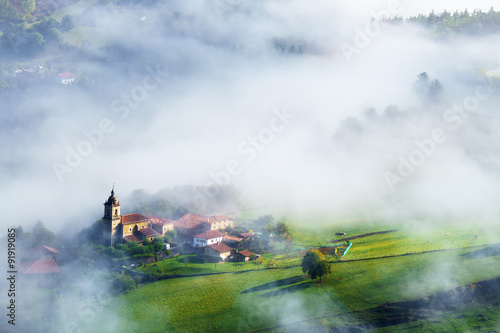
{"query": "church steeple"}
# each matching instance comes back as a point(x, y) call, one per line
point(112, 219)
point(112, 199)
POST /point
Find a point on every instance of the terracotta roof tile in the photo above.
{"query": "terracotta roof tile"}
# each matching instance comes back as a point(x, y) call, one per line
point(221, 248)
point(191, 221)
point(209, 234)
point(159, 220)
point(231, 238)
point(131, 238)
point(218, 218)
point(148, 232)
point(41, 251)
point(41, 267)
point(66, 75)
point(246, 253)
point(133, 218)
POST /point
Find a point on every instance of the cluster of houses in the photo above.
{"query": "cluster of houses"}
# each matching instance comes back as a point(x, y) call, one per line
point(36, 75)
point(212, 246)
point(39, 264)
point(202, 231)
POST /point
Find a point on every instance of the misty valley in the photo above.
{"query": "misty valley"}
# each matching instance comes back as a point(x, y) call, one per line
point(259, 166)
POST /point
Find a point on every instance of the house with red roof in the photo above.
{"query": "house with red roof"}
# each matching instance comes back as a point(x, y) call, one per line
point(243, 255)
point(207, 237)
point(39, 267)
point(44, 273)
point(162, 225)
point(219, 252)
point(191, 224)
point(65, 78)
point(231, 240)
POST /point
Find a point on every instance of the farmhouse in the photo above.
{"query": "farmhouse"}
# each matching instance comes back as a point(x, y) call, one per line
point(243, 255)
point(247, 235)
point(207, 237)
point(39, 267)
point(215, 253)
point(231, 241)
point(162, 225)
point(65, 78)
point(191, 224)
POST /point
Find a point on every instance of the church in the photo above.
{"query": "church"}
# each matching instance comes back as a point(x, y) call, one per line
point(130, 227)
point(136, 227)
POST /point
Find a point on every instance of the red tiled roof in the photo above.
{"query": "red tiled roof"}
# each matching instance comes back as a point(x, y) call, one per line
point(133, 218)
point(42, 250)
point(66, 75)
point(131, 238)
point(50, 249)
point(40, 267)
point(209, 234)
point(221, 248)
point(159, 220)
point(246, 235)
point(191, 221)
point(148, 232)
point(218, 218)
point(231, 238)
point(246, 253)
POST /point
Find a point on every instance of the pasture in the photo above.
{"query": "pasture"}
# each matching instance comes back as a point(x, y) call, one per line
point(280, 298)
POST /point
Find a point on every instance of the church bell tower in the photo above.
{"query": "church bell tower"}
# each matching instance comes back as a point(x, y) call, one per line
point(112, 220)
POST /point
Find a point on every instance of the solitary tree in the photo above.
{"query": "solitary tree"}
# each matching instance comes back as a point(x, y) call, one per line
point(315, 264)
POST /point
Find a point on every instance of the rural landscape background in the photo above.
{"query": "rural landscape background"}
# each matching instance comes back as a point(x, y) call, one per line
point(315, 125)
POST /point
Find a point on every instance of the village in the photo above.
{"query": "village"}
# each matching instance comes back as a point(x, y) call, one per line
point(136, 241)
point(130, 256)
point(198, 234)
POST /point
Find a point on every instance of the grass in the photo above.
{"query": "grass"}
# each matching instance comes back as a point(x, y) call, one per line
point(189, 265)
point(404, 240)
point(265, 298)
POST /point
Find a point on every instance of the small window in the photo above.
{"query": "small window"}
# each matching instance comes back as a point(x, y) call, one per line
point(129, 228)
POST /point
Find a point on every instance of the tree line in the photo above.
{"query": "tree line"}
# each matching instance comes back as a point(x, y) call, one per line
point(448, 24)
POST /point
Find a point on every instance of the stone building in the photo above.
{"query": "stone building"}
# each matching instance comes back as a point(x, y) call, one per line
point(130, 227)
point(136, 227)
point(191, 224)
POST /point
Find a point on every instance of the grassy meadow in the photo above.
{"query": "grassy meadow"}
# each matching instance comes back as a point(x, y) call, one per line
point(249, 298)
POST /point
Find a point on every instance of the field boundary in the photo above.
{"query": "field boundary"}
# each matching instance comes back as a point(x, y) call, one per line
point(408, 254)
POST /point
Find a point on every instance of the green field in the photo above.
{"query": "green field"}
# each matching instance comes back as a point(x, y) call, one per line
point(188, 265)
point(282, 298)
